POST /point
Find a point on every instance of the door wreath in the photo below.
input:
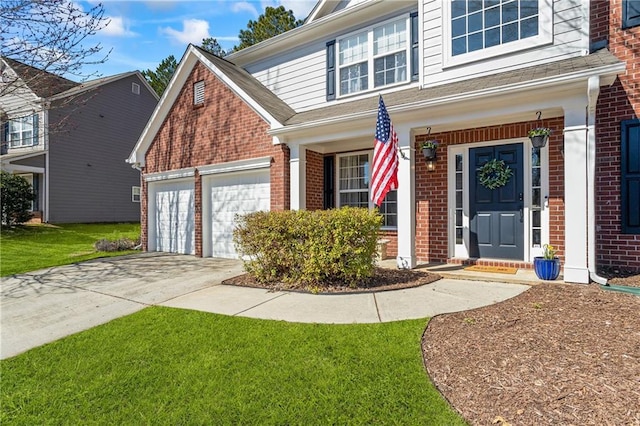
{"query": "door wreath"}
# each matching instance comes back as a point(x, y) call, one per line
point(494, 174)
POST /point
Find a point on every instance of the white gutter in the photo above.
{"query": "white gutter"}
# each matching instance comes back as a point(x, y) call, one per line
point(508, 89)
point(592, 93)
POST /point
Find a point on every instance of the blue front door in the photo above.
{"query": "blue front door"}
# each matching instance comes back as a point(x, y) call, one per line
point(496, 215)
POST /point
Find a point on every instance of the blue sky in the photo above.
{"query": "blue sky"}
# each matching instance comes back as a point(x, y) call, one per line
point(142, 33)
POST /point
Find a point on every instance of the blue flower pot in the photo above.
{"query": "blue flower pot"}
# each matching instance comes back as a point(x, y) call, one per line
point(546, 269)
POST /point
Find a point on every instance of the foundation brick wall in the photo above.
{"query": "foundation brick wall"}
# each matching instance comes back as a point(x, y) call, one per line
point(621, 101)
point(223, 129)
point(431, 187)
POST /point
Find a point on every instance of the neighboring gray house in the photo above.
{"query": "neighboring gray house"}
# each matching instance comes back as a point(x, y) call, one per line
point(70, 141)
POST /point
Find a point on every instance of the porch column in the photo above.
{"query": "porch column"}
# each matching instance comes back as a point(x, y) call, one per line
point(406, 200)
point(575, 192)
point(297, 167)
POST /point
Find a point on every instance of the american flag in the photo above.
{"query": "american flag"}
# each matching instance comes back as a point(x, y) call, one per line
point(385, 157)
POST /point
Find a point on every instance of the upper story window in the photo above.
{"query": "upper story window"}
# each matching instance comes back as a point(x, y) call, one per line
point(198, 93)
point(21, 131)
point(480, 29)
point(374, 58)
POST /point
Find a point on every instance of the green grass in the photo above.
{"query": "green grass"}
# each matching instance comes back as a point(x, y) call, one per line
point(171, 366)
point(31, 247)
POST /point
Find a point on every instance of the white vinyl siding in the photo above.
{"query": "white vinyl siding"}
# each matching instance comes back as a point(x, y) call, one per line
point(299, 78)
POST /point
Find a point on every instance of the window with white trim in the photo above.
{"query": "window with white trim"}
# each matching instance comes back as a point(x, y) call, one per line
point(135, 194)
point(21, 131)
point(354, 177)
point(198, 93)
point(135, 88)
point(480, 29)
point(374, 58)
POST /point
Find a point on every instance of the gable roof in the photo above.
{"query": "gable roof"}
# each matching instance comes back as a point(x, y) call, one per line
point(44, 84)
point(94, 84)
point(252, 87)
point(264, 102)
point(416, 96)
point(322, 8)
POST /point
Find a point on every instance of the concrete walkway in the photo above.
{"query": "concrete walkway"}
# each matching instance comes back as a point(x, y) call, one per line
point(43, 306)
point(442, 296)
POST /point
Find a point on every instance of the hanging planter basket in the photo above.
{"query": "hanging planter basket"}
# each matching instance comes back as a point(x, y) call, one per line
point(539, 141)
point(539, 136)
point(429, 153)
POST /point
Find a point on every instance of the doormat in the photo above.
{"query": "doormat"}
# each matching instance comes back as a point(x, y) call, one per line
point(496, 269)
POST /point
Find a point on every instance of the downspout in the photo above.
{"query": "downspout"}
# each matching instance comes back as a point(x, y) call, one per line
point(593, 93)
point(46, 183)
point(136, 166)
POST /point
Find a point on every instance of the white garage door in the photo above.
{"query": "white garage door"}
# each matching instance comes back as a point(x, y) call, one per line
point(173, 217)
point(232, 194)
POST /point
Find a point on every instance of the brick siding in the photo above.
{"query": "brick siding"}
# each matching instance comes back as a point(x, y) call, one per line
point(431, 187)
point(315, 181)
point(621, 101)
point(224, 129)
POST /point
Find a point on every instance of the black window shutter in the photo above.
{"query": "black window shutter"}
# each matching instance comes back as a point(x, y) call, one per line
point(331, 70)
point(329, 183)
point(36, 139)
point(630, 13)
point(630, 176)
point(4, 139)
point(415, 57)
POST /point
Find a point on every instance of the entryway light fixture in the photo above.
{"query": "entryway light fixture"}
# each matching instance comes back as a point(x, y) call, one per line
point(429, 148)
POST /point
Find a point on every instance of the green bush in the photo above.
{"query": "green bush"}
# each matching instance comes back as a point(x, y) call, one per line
point(309, 247)
point(16, 198)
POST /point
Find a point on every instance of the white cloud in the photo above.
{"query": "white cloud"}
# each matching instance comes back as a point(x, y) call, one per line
point(244, 6)
point(116, 27)
point(193, 31)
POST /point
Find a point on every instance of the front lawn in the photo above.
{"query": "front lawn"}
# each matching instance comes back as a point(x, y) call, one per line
point(31, 247)
point(172, 366)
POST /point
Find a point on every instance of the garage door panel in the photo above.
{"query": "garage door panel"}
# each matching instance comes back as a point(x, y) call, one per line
point(174, 218)
point(231, 195)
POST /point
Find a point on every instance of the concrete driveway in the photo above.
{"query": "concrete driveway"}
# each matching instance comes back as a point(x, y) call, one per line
point(42, 306)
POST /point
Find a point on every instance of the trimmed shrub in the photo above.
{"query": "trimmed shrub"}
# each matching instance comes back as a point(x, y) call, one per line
point(17, 196)
point(121, 244)
point(309, 247)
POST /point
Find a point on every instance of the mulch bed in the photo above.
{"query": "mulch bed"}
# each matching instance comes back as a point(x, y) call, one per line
point(556, 354)
point(382, 280)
